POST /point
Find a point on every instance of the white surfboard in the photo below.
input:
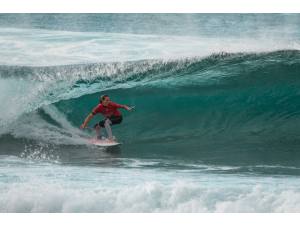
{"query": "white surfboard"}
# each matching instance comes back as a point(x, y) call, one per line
point(103, 142)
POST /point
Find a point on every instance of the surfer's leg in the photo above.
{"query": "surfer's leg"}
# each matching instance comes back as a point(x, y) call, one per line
point(97, 127)
point(108, 129)
point(98, 132)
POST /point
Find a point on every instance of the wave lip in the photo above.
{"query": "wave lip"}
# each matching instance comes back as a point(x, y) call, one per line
point(36, 47)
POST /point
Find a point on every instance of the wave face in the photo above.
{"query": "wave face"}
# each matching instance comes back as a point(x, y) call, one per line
point(211, 109)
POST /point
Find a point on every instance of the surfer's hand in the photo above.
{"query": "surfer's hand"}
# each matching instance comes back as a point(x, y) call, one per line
point(82, 126)
point(128, 108)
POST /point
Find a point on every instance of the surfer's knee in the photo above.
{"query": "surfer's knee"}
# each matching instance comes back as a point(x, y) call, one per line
point(118, 120)
point(107, 122)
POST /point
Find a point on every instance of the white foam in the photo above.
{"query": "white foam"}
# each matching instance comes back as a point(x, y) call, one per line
point(40, 187)
point(47, 47)
point(147, 197)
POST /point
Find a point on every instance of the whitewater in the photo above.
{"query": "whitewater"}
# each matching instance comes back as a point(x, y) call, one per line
point(216, 124)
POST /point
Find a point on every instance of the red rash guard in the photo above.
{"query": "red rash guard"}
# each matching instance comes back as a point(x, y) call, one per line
point(109, 110)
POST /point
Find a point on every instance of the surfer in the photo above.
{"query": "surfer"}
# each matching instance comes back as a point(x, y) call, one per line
point(111, 113)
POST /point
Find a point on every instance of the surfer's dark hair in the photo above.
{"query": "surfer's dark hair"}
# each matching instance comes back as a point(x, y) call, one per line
point(102, 98)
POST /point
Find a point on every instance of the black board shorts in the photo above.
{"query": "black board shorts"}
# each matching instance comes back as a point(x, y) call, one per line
point(114, 120)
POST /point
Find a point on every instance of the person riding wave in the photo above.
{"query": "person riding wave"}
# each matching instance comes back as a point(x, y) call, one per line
point(111, 113)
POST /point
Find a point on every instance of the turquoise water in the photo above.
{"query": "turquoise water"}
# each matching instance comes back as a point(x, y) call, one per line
point(216, 124)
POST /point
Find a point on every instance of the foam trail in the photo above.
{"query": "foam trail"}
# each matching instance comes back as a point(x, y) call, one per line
point(33, 126)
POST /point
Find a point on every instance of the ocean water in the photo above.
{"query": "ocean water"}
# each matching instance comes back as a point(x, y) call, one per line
point(215, 128)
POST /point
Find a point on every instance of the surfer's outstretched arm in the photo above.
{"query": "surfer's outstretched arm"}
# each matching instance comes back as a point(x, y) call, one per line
point(122, 106)
point(87, 120)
